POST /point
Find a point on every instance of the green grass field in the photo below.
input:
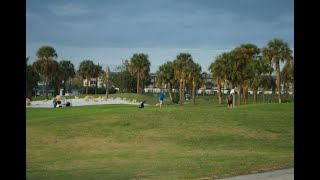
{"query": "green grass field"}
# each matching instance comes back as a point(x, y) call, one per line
point(205, 141)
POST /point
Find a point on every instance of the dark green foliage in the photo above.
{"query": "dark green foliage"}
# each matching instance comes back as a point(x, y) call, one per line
point(32, 78)
point(176, 98)
point(123, 80)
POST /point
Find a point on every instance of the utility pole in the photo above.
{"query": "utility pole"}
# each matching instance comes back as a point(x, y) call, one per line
point(107, 80)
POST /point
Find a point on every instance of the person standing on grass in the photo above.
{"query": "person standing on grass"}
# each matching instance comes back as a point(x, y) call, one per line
point(229, 100)
point(161, 98)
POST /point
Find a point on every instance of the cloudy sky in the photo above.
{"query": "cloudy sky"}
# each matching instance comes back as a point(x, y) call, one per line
point(109, 31)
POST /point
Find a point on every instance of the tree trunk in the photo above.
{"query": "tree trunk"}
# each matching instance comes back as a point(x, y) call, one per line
point(180, 92)
point(183, 90)
point(278, 81)
point(222, 90)
point(245, 94)
point(263, 95)
point(87, 85)
point(64, 86)
point(193, 91)
point(95, 89)
point(170, 91)
point(47, 84)
point(254, 96)
point(219, 92)
point(138, 83)
point(107, 87)
point(239, 95)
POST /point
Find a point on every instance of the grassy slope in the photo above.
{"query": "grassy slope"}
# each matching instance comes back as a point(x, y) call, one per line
point(188, 142)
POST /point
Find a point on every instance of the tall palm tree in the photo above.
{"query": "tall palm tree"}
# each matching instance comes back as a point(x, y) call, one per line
point(67, 71)
point(245, 54)
point(44, 64)
point(276, 51)
point(139, 66)
point(193, 71)
point(86, 70)
point(107, 80)
point(165, 74)
point(96, 74)
point(204, 84)
point(260, 70)
point(180, 64)
point(218, 73)
point(287, 74)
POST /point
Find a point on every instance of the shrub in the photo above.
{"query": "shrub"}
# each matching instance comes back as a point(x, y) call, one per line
point(175, 98)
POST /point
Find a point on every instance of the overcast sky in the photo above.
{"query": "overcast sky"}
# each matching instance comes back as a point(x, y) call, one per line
point(109, 31)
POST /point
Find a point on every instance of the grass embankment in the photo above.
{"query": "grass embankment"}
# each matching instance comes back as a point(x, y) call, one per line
point(176, 142)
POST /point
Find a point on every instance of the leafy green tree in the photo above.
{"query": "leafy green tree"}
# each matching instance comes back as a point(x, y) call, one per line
point(287, 75)
point(165, 74)
point(32, 79)
point(122, 78)
point(276, 51)
point(204, 83)
point(139, 66)
point(180, 64)
point(86, 71)
point(245, 54)
point(44, 64)
point(228, 60)
point(260, 72)
point(193, 71)
point(217, 69)
point(96, 74)
point(67, 71)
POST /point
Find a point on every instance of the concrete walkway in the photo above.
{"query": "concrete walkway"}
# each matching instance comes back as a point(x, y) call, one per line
point(283, 174)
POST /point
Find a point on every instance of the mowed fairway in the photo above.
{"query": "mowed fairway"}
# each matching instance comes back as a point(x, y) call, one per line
point(205, 141)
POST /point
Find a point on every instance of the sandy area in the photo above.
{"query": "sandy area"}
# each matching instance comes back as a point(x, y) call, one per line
point(79, 102)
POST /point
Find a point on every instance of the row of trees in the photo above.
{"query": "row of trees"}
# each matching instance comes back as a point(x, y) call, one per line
point(57, 74)
point(244, 67)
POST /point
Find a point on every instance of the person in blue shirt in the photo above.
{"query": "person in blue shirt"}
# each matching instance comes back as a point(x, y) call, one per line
point(161, 97)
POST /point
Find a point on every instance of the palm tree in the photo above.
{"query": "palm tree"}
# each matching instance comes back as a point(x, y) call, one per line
point(287, 74)
point(67, 71)
point(204, 84)
point(44, 63)
point(218, 73)
point(277, 50)
point(180, 64)
point(165, 74)
point(86, 70)
point(245, 54)
point(96, 74)
point(107, 80)
point(139, 66)
point(260, 72)
point(193, 71)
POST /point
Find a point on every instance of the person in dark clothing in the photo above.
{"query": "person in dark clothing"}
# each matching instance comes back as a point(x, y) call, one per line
point(54, 102)
point(142, 104)
point(229, 100)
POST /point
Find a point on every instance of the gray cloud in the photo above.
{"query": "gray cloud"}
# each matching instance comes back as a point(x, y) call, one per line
point(165, 24)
